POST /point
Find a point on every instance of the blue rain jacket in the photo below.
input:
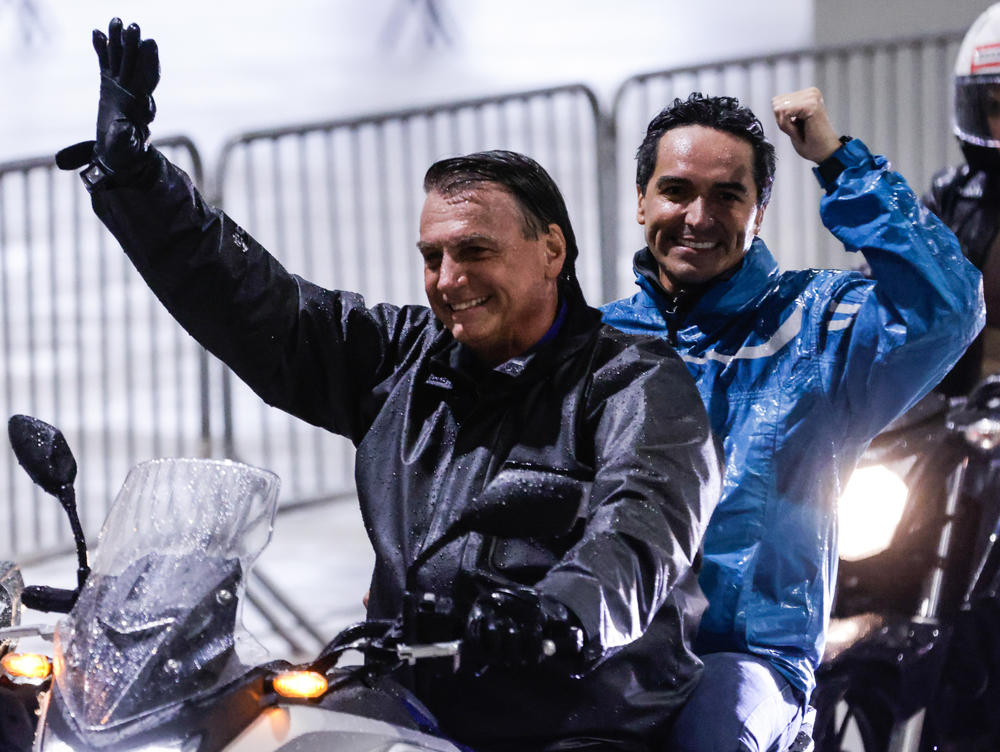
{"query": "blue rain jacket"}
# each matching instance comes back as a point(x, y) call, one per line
point(799, 370)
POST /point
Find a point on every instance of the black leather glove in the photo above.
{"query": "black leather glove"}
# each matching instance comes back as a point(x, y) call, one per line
point(521, 628)
point(130, 70)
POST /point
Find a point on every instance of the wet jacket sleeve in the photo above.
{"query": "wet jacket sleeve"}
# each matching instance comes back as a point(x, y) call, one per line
point(657, 480)
point(313, 352)
point(886, 341)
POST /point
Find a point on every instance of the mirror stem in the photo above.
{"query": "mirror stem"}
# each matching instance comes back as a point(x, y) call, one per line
point(67, 497)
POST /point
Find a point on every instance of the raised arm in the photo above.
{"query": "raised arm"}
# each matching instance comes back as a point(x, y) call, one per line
point(896, 334)
point(313, 352)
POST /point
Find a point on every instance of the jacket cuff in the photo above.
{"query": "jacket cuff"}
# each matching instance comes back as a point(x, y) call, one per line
point(854, 153)
point(142, 173)
point(579, 596)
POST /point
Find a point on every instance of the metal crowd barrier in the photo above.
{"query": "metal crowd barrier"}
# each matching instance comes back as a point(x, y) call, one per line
point(895, 96)
point(338, 202)
point(85, 346)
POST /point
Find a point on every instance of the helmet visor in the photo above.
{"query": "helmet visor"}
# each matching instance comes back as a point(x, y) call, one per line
point(977, 110)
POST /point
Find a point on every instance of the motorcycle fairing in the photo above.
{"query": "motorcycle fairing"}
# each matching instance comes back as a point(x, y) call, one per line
point(206, 724)
point(131, 647)
point(157, 623)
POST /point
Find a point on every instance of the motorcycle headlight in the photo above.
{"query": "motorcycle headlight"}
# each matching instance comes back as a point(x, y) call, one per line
point(869, 510)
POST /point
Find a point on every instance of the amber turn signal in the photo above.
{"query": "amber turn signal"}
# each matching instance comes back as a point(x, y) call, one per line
point(302, 684)
point(26, 665)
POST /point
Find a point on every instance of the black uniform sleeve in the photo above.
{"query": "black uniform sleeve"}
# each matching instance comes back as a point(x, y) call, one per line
point(313, 352)
point(934, 198)
point(657, 480)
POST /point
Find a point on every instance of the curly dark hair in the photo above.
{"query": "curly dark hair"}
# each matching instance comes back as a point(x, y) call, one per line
point(722, 113)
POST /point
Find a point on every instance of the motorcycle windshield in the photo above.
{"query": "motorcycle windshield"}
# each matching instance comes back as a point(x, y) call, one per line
point(158, 620)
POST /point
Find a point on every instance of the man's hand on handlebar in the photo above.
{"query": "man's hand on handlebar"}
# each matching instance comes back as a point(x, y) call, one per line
point(522, 628)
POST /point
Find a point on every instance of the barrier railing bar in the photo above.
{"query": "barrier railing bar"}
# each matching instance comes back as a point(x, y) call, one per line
point(8, 388)
point(401, 114)
point(30, 328)
point(77, 256)
point(607, 203)
point(105, 386)
point(773, 58)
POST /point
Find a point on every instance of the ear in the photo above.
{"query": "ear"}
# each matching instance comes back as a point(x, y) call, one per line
point(555, 251)
point(640, 213)
point(759, 219)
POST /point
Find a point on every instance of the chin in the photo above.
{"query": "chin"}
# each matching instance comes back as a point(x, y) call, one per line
point(690, 276)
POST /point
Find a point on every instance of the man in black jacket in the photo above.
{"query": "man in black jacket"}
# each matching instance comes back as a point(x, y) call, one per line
point(506, 385)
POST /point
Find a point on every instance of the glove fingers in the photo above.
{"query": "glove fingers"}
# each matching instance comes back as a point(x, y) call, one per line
point(500, 642)
point(101, 48)
point(147, 68)
point(130, 48)
point(115, 47)
point(489, 639)
point(75, 156)
point(512, 651)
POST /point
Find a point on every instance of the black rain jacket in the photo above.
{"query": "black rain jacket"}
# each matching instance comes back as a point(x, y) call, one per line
point(968, 201)
point(617, 413)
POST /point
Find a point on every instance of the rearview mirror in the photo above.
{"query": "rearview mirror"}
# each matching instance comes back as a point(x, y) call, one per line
point(42, 451)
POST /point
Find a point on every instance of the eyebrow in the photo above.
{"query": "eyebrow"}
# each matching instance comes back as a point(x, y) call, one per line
point(665, 180)
point(464, 241)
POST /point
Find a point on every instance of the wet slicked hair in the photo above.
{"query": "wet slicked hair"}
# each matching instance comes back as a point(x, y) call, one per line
point(532, 187)
point(722, 113)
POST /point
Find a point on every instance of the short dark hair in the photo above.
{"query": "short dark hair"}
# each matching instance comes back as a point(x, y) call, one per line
point(722, 113)
point(527, 181)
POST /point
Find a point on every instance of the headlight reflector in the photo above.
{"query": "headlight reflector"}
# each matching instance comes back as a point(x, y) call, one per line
point(869, 510)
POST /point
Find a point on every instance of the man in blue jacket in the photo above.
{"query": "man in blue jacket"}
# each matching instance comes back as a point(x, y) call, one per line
point(798, 370)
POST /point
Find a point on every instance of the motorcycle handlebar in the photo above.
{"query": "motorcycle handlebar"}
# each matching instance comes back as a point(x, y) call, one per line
point(44, 598)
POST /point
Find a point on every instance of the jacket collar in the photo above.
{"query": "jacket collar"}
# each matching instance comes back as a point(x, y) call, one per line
point(454, 365)
point(722, 297)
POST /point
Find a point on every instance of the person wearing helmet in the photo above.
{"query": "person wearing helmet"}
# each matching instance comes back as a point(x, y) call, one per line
point(967, 198)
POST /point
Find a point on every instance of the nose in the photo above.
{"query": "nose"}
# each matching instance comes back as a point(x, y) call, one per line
point(698, 215)
point(451, 275)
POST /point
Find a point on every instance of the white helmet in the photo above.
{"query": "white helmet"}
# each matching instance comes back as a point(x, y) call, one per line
point(977, 82)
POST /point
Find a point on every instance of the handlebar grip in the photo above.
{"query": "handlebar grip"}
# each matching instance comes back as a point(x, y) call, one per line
point(44, 598)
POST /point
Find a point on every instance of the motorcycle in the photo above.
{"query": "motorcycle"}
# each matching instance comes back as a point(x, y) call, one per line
point(913, 655)
point(152, 655)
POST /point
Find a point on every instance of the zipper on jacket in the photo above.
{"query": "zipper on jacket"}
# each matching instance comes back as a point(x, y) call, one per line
point(676, 306)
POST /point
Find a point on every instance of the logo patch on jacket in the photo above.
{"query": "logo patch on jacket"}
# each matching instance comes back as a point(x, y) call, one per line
point(439, 381)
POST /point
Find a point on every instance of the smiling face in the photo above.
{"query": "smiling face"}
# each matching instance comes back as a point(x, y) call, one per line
point(699, 209)
point(489, 283)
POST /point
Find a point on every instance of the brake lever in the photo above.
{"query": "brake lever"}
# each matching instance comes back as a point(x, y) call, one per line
point(410, 654)
point(44, 631)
